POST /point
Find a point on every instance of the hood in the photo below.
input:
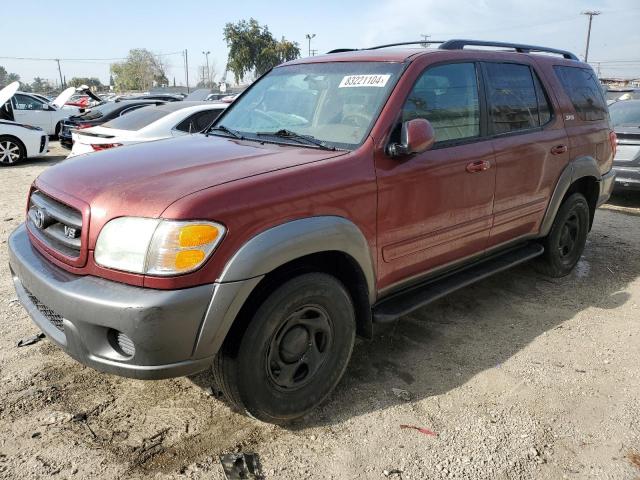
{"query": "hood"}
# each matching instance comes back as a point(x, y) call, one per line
point(144, 179)
point(7, 92)
point(61, 99)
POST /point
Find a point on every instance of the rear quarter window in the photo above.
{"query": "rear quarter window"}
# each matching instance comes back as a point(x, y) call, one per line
point(583, 89)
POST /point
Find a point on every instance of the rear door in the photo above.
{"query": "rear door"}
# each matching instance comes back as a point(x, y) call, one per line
point(531, 148)
point(435, 208)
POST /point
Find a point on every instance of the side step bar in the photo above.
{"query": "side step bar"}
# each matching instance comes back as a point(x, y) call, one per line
point(404, 302)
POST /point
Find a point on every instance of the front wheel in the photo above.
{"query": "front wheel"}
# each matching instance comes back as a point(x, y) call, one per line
point(566, 240)
point(12, 151)
point(294, 351)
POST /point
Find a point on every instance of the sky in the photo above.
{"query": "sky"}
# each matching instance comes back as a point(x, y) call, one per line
point(107, 30)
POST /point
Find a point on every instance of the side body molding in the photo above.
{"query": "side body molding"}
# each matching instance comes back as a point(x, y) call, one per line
point(576, 169)
point(269, 250)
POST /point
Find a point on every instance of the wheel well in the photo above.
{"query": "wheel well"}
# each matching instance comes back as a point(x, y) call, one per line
point(337, 264)
point(590, 188)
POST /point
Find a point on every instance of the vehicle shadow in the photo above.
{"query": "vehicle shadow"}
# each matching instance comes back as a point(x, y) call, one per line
point(47, 161)
point(625, 199)
point(442, 346)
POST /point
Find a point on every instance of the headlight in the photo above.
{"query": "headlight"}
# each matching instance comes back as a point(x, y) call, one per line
point(156, 247)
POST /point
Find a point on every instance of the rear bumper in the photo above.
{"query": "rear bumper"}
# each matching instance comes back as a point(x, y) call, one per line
point(607, 182)
point(627, 178)
point(167, 327)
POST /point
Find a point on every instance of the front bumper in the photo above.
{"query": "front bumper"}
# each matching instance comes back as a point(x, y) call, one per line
point(627, 178)
point(174, 332)
point(607, 182)
point(66, 140)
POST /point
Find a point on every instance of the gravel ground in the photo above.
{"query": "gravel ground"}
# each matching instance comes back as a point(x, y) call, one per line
point(518, 377)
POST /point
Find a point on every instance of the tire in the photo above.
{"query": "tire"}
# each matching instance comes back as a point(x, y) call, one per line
point(56, 132)
point(293, 352)
point(12, 151)
point(565, 243)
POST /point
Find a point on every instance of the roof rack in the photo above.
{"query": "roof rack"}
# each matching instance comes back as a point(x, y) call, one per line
point(518, 47)
point(419, 42)
point(458, 44)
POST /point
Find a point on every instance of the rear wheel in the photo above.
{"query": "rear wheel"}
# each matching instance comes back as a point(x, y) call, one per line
point(12, 151)
point(294, 351)
point(566, 240)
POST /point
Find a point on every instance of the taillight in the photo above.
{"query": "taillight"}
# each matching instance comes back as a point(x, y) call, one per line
point(104, 146)
point(83, 125)
point(613, 139)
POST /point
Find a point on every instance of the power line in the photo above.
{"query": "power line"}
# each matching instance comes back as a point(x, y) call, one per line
point(83, 59)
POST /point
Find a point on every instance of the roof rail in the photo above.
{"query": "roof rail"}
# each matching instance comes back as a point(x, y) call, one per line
point(342, 50)
point(458, 44)
point(419, 42)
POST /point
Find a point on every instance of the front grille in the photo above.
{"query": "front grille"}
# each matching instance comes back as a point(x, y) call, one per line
point(53, 317)
point(55, 224)
point(43, 140)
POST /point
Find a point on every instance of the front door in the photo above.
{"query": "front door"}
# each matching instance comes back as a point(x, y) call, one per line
point(436, 208)
point(31, 111)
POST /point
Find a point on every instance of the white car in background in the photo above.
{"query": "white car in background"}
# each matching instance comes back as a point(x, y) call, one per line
point(19, 141)
point(32, 110)
point(146, 124)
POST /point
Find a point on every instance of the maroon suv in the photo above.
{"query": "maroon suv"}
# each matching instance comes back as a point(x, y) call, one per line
point(338, 191)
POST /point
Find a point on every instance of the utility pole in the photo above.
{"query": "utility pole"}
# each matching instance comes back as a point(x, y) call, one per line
point(206, 54)
point(425, 37)
point(309, 36)
point(186, 67)
point(590, 14)
point(60, 72)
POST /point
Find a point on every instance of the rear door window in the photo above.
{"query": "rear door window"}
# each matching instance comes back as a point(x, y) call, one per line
point(583, 88)
point(447, 96)
point(513, 95)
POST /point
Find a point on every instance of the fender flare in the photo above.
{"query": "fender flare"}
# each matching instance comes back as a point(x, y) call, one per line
point(579, 168)
point(269, 250)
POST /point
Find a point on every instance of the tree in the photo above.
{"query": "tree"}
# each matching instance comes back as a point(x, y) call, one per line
point(140, 71)
point(88, 81)
point(253, 49)
point(41, 85)
point(7, 78)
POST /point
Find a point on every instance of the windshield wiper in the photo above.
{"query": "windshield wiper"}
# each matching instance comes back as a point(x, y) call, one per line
point(284, 133)
point(222, 128)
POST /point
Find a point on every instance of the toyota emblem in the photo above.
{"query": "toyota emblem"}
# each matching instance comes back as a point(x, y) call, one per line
point(39, 218)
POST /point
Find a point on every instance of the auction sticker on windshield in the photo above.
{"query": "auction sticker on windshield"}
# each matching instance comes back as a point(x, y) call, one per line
point(364, 81)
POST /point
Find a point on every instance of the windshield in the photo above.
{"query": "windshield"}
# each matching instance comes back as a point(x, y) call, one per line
point(138, 118)
point(625, 113)
point(335, 103)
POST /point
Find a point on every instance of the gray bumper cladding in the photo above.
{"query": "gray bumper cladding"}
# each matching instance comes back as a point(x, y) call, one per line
point(93, 319)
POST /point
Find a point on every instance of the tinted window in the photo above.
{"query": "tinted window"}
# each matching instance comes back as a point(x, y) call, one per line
point(511, 92)
point(135, 118)
point(26, 102)
point(582, 87)
point(198, 121)
point(544, 107)
point(447, 96)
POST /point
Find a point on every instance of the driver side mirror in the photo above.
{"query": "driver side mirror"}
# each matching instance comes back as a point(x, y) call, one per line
point(417, 136)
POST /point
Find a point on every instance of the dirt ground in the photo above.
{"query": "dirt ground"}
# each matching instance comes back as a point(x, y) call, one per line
point(519, 377)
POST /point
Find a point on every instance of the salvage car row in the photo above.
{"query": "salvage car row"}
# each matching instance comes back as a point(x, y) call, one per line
point(27, 120)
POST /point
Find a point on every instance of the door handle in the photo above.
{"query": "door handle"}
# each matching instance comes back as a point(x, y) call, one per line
point(559, 149)
point(479, 166)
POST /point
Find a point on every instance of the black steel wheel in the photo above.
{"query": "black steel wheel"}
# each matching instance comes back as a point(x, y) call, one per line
point(566, 240)
point(293, 352)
